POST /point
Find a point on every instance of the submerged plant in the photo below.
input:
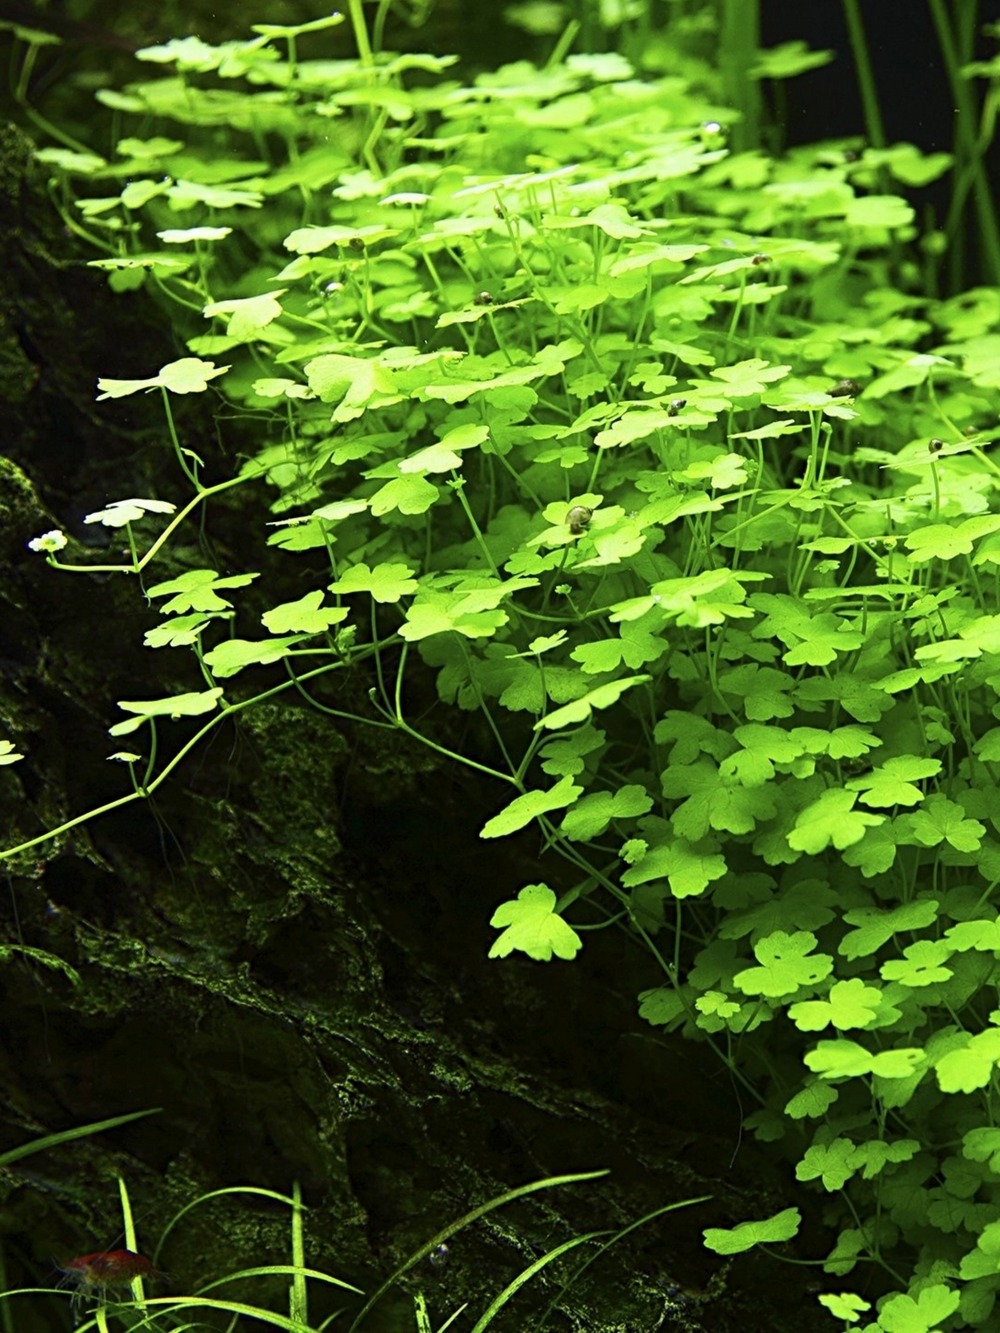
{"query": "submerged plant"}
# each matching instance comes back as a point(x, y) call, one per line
point(99, 1280)
point(663, 460)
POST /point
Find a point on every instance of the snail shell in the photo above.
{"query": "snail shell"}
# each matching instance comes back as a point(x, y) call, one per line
point(578, 519)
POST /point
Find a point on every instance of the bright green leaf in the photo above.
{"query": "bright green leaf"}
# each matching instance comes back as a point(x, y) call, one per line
point(386, 583)
point(120, 512)
point(177, 705)
point(523, 809)
point(534, 927)
point(590, 817)
point(830, 820)
point(306, 615)
point(232, 655)
point(787, 963)
point(903, 1314)
point(771, 1231)
point(197, 590)
point(189, 375)
point(580, 709)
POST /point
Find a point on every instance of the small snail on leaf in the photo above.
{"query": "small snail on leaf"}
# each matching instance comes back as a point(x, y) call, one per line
point(578, 519)
point(845, 389)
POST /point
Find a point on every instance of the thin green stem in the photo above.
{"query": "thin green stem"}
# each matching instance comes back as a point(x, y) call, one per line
point(739, 40)
point(866, 78)
point(425, 740)
point(182, 461)
point(365, 54)
point(147, 789)
point(969, 150)
point(204, 493)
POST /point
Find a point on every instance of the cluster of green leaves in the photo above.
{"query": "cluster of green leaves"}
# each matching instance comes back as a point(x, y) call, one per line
point(663, 459)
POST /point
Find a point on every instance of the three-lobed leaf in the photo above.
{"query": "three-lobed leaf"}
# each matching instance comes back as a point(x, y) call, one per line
point(534, 927)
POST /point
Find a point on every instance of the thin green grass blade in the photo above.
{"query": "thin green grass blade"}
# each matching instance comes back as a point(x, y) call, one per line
point(6, 1318)
point(330, 1318)
point(236, 1308)
point(128, 1227)
point(420, 1313)
point(215, 1194)
point(512, 1288)
point(271, 1270)
point(68, 1135)
point(464, 1221)
point(451, 1318)
point(128, 1221)
point(298, 1299)
point(620, 1235)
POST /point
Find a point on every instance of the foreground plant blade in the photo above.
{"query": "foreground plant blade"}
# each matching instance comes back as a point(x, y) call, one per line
point(473, 1215)
point(497, 1304)
point(603, 1249)
point(69, 1135)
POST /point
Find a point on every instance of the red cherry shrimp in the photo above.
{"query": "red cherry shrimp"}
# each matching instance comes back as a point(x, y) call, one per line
point(94, 1275)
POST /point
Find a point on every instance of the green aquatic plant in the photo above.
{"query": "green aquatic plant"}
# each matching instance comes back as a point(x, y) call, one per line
point(110, 1308)
point(665, 460)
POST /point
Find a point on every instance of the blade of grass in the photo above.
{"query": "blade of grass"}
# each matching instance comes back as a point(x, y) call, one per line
point(68, 1135)
point(451, 1318)
point(420, 1313)
point(214, 1194)
point(128, 1221)
point(512, 1288)
point(128, 1227)
point(169, 1303)
point(5, 1313)
point(471, 1216)
point(298, 1299)
point(330, 1318)
point(625, 1231)
point(270, 1270)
